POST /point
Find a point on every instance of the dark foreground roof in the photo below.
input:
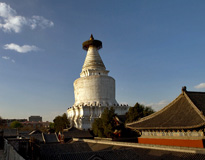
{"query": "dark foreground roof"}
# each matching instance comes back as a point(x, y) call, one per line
point(77, 133)
point(185, 112)
point(45, 138)
point(10, 132)
point(50, 138)
point(85, 151)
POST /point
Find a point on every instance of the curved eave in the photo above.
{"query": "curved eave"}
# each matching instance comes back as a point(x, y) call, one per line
point(156, 113)
point(179, 114)
point(167, 128)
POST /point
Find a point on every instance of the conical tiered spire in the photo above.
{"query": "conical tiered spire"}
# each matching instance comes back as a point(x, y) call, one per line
point(93, 64)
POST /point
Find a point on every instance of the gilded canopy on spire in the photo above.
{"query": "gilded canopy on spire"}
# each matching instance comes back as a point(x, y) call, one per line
point(92, 42)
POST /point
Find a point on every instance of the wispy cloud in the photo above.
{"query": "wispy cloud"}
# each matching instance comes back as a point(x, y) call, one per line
point(159, 105)
point(40, 21)
point(11, 21)
point(8, 58)
point(200, 86)
point(21, 49)
point(5, 57)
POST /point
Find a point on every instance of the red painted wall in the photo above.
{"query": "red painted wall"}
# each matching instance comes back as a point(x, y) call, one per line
point(172, 142)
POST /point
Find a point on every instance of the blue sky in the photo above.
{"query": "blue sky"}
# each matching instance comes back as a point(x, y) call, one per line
point(151, 47)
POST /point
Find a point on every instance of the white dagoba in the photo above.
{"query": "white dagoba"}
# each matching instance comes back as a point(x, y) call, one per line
point(94, 90)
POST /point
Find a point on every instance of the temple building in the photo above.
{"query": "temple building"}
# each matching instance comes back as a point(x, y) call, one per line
point(180, 123)
point(94, 90)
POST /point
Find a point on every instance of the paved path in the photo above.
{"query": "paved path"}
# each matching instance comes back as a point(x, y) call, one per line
point(1, 154)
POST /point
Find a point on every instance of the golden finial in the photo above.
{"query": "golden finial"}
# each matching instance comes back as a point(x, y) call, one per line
point(91, 37)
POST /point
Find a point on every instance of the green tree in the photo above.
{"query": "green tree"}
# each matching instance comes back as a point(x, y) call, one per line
point(137, 112)
point(97, 127)
point(61, 122)
point(16, 124)
point(105, 126)
point(51, 125)
point(51, 128)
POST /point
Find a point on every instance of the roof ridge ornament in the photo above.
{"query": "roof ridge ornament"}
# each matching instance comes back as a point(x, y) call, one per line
point(184, 89)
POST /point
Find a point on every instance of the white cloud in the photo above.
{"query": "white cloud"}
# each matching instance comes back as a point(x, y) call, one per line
point(10, 21)
point(5, 57)
point(21, 49)
point(200, 86)
point(159, 105)
point(6, 11)
point(13, 24)
point(40, 21)
point(8, 58)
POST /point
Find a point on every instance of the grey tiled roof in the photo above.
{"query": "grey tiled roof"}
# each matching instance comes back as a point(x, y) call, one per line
point(77, 133)
point(83, 151)
point(45, 138)
point(24, 134)
point(38, 137)
point(50, 138)
point(35, 132)
point(10, 133)
point(64, 148)
point(198, 98)
point(185, 112)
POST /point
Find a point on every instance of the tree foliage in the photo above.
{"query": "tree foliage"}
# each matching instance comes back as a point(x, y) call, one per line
point(105, 126)
point(61, 122)
point(137, 112)
point(51, 128)
point(16, 124)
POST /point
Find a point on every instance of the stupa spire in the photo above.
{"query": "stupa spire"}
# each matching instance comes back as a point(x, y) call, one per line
point(94, 90)
point(93, 63)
